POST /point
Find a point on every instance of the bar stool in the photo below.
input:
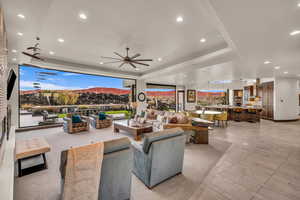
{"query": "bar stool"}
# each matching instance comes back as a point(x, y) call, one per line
point(237, 112)
point(251, 115)
point(223, 117)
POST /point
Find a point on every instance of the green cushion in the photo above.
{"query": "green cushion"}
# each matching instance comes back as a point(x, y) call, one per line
point(143, 114)
point(76, 119)
point(102, 116)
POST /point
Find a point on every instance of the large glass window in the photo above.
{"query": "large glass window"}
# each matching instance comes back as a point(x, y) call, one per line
point(46, 96)
point(161, 97)
point(211, 97)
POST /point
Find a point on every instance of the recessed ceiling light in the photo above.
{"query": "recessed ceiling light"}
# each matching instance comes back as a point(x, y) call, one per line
point(14, 59)
point(277, 67)
point(14, 51)
point(61, 40)
point(285, 72)
point(20, 34)
point(137, 69)
point(159, 59)
point(21, 16)
point(298, 4)
point(82, 16)
point(179, 19)
point(101, 63)
point(267, 62)
point(51, 53)
point(295, 32)
point(203, 40)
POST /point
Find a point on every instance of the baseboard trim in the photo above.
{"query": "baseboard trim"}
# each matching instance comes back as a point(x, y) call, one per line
point(32, 128)
point(289, 120)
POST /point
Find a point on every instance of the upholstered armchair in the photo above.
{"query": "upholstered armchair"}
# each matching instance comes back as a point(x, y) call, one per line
point(100, 123)
point(159, 157)
point(71, 127)
point(115, 180)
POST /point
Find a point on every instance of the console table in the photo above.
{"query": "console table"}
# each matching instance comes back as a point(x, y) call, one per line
point(26, 149)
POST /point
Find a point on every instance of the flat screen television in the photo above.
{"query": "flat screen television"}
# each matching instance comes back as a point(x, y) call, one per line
point(10, 83)
point(3, 130)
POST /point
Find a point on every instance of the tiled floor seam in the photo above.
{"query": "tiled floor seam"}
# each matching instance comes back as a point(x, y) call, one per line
point(214, 173)
point(274, 172)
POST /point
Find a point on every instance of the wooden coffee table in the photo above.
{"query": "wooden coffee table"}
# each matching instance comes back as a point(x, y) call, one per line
point(26, 149)
point(137, 132)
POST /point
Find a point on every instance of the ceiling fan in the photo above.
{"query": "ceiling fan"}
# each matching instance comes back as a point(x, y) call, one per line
point(35, 51)
point(131, 60)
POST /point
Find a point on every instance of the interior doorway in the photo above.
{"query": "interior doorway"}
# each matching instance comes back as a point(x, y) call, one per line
point(181, 102)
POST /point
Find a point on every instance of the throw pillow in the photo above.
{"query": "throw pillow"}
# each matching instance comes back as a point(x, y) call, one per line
point(76, 119)
point(102, 116)
point(173, 120)
point(143, 113)
point(182, 119)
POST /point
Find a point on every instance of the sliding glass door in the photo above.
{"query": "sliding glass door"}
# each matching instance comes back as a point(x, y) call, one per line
point(46, 95)
point(161, 97)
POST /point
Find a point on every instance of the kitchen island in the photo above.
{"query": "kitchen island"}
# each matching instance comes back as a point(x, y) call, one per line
point(237, 113)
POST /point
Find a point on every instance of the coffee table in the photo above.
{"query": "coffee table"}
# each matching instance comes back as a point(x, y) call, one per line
point(136, 131)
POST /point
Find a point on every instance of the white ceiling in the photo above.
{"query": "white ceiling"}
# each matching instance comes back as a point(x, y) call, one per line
point(147, 27)
point(241, 35)
point(256, 31)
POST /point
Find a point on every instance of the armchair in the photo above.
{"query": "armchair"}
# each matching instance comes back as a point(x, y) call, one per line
point(160, 157)
point(115, 180)
point(70, 127)
point(99, 124)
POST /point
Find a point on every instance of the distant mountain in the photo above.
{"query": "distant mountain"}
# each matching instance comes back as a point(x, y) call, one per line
point(97, 90)
point(103, 90)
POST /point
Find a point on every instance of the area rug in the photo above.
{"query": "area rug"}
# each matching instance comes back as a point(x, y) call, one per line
point(46, 184)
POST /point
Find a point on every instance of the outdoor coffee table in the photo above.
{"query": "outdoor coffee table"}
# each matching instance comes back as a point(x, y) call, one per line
point(136, 131)
point(30, 148)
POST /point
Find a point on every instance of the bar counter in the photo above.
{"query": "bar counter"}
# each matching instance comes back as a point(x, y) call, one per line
point(237, 113)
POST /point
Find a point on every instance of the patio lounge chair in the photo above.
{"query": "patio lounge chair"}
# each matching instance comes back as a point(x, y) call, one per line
point(71, 126)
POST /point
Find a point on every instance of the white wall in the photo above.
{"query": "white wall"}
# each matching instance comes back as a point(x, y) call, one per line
point(298, 92)
point(141, 87)
point(190, 106)
point(286, 105)
point(231, 97)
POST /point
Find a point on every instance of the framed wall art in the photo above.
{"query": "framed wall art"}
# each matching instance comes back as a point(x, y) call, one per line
point(191, 96)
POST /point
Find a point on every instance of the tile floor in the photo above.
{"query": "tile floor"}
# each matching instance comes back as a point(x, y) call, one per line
point(263, 163)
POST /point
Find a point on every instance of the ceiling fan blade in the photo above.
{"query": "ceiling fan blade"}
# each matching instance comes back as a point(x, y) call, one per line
point(32, 56)
point(110, 58)
point(38, 58)
point(33, 48)
point(122, 64)
point(135, 56)
point(113, 62)
point(143, 60)
point(140, 63)
point(118, 54)
point(132, 65)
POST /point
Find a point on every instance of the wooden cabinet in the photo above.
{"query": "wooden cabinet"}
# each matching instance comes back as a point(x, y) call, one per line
point(266, 90)
point(237, 97)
